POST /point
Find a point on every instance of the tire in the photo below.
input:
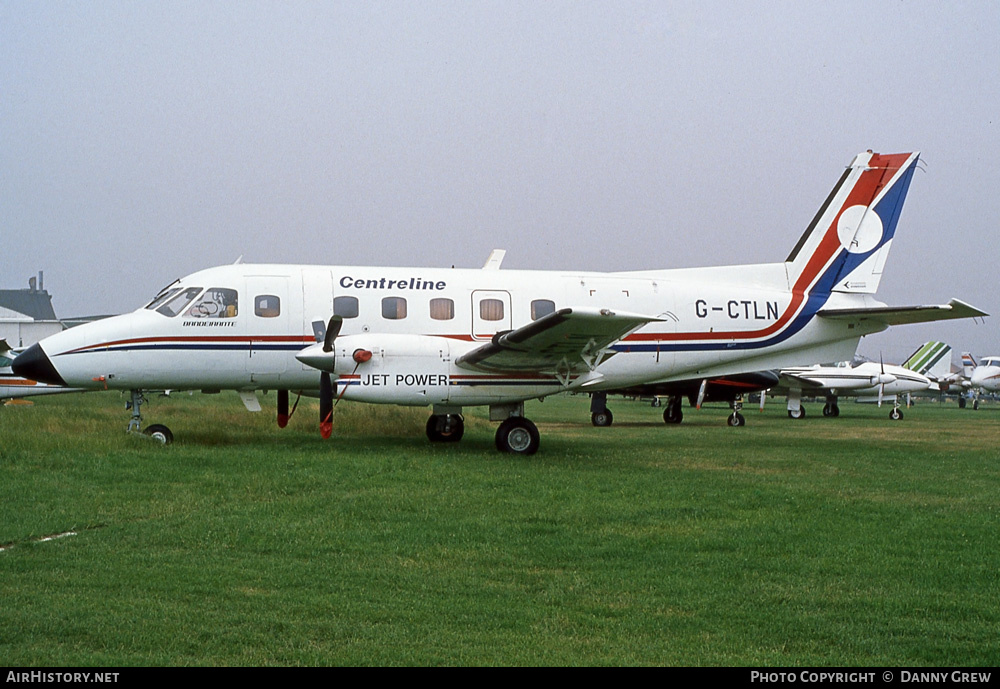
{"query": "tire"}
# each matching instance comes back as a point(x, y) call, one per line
point(159, 432)
point(736, 419)
point(896, 414)
point(800, 414)
point(673, 413)
point(445, 428)
point(602, 418)
point(517, 435)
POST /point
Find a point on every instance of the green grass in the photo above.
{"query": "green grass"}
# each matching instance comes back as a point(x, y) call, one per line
point(850, 541)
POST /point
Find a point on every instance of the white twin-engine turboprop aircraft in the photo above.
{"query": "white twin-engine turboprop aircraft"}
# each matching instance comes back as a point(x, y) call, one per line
point(457, 338)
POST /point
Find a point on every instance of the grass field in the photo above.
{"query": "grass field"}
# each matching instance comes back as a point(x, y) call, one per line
point(853, 541)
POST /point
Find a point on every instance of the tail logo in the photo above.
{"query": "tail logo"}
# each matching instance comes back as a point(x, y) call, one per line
point(859, 229)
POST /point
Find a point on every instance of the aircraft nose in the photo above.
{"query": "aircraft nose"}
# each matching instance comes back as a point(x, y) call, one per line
point(34, 363)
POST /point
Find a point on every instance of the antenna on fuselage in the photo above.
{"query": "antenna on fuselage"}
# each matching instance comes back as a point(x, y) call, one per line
point(495, 259)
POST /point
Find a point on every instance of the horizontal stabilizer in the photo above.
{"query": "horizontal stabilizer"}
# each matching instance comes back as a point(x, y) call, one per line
point(901, 315)
point(568, 340)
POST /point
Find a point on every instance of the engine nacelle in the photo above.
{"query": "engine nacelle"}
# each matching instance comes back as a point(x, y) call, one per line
point(387, 368)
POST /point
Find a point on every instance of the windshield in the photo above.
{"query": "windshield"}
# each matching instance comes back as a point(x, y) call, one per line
point(175, 301)
point(164, 294)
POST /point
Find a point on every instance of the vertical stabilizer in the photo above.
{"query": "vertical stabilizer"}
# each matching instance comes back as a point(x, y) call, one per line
point(845, 246)
point(933, 359)
point(968, 364)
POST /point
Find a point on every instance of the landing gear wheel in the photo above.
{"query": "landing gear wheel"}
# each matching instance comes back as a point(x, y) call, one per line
point(518, 436)
point(896, 414)
point(445, 428)
point(831, 410)
point(159, 432)
point(602, 418)
point(736, 419)
point(975, 405)
point(673, 413)
point(797, 414)
point(961, 403)
point(656, 402)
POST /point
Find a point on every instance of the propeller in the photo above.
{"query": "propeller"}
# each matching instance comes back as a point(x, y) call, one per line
point(883, 379)
point(325, 382)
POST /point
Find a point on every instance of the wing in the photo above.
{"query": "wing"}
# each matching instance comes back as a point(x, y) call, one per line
point(801, 377)
point(565, 341)
point(901, 315)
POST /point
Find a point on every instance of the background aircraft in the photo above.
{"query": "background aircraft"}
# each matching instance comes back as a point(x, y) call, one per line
point(13, 386)
point(873, 380)
point(984, 376)
point(729, 389)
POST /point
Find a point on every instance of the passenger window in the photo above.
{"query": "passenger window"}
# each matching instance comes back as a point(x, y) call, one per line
point(442, 309)
point(491, 310)
point(346, 307)
point(542, 307)
point(394, 308)
point(267, 306)
point(216, 302)
point(175, 304)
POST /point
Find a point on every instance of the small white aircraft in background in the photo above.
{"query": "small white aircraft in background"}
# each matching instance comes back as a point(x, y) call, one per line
point(449, 339)
point(13, 386)
point(868, 381)
point(982, 376)
point(729, 389)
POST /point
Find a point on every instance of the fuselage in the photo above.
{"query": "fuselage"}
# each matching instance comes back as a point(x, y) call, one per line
point(240, 326)
point(987, 374)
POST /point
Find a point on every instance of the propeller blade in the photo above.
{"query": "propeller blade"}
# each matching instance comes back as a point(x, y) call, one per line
point(881, 387)
point(332, 330)
point(282, 408)
point(325, 405)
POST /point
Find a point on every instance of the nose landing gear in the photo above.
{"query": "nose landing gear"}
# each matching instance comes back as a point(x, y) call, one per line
point(156, 431)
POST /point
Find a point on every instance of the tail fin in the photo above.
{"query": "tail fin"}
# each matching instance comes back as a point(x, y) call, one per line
point(846, 245)
point(968, 364)
point(933, 360)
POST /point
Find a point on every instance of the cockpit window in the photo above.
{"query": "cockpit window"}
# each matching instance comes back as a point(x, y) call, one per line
point(216, 302)
point(174, 302)
point(162, 297)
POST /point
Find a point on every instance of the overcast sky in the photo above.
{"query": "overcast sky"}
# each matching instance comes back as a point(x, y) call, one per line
point(142, 141)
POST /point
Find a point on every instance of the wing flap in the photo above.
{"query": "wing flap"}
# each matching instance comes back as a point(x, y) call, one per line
point(901, 315)
point(565, 341)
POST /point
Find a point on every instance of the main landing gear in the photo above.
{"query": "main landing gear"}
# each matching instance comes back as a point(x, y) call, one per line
point(673, 413)
point(516, 435)
point(156, 431)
